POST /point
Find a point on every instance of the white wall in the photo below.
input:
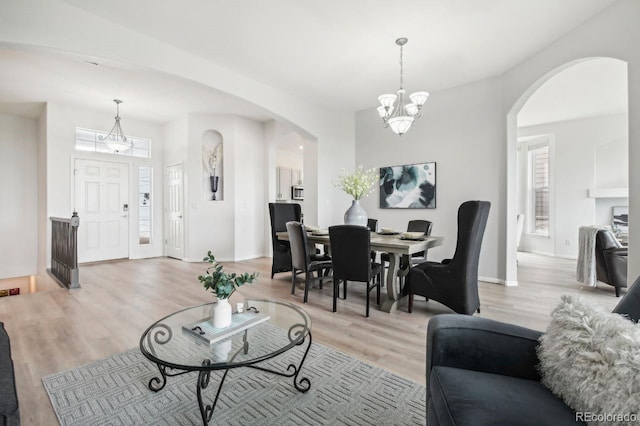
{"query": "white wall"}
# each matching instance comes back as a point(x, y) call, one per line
point(460, 130)
point(574, 169)
point(19, 174)
point(289, 159)
point(231, 228)
point(251, 199)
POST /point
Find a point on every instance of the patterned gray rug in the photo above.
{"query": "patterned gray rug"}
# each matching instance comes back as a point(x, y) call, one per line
point(344, 391)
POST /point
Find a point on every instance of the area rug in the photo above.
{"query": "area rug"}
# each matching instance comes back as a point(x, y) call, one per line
point(344, 391)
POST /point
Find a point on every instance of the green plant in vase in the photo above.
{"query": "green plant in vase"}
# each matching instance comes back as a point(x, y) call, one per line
point(222, 285)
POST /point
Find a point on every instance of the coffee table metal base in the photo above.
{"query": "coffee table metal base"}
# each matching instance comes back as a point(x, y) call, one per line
point(302, 384)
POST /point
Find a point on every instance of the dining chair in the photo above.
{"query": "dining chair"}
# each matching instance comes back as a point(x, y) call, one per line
point(424, 226)
point(372, 224)
point(454, 282)
point(280, 214)
point(416, 225)
point(302, 262)
point(351, 258)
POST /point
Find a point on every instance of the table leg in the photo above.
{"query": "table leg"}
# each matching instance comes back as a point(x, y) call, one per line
point(303, 384)
point(395, 271)
point(391, 303)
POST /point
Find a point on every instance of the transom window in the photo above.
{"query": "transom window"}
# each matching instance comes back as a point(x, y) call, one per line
point(89, 140)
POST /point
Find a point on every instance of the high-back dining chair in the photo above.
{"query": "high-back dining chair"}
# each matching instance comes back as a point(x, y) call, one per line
point(416, 225)
point(372, 224)
point(301, 260)
point(280, 214)
point(351, 257)
point(424, 226)
point(454, 282)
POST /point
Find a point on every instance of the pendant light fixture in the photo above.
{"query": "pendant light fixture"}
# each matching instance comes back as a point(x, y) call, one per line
point(394, 112)
point(116, 140)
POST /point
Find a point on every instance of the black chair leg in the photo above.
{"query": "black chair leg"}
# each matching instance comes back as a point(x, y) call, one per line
point(368, 294)
point(478, 309)
point(336, 289)
point(378, 288)
point(410, 307)
point(293, 281)
point(307, 284)
point(617, 291)
point(344, 290)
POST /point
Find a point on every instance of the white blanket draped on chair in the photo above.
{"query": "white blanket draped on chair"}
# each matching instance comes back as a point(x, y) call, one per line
point(586, 268)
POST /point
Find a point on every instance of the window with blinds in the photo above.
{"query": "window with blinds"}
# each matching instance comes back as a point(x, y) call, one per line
point(539, 179)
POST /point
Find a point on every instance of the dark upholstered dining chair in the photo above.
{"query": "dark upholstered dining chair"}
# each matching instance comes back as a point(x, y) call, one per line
point(280, 214)
point(611, 260)
point(454, 282)
point(372, 224)
point(351, 257)
point(416, 225)
point(303, 262)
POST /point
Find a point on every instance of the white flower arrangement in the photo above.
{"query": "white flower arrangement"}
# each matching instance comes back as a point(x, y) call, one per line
point(359, 183)
point(210, 158)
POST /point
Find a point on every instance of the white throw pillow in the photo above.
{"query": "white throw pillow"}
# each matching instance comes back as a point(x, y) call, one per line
point(591, 359)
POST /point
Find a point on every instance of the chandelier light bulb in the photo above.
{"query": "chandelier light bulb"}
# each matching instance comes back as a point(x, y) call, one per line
point(393, 108)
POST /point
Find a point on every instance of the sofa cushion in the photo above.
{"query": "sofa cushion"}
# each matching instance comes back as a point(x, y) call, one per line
point(8, 399)
point(591, 358)
point(465, 397)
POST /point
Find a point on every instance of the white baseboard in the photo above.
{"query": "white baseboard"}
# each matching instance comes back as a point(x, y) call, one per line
point(544, 253)
point(498, 281)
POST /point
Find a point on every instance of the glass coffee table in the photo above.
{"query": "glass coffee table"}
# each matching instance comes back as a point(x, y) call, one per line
point(181, 343)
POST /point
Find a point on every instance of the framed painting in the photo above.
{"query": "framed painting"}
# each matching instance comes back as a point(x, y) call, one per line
point(411, 186)
point(620, 220)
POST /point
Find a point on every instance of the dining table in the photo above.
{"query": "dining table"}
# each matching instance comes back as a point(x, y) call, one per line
point(393, 243)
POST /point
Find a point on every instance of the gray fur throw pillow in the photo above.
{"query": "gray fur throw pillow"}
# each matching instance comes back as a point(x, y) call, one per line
point(591, 359)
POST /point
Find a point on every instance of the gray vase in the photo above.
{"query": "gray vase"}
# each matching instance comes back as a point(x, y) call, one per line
point(355, 215)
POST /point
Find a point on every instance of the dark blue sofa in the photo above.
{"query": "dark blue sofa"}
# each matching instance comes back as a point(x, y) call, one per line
point(484, 372)
point(9, 414)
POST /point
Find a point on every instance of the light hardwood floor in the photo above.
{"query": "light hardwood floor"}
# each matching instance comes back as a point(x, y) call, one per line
point(59, 329)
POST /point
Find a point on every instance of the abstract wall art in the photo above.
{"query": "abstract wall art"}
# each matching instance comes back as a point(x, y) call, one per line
point(620, 222)
point(412, 186)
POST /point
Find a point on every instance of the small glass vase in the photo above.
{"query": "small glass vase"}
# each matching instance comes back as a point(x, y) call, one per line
point(221, 314)
point(214, 185)
point(355, 215)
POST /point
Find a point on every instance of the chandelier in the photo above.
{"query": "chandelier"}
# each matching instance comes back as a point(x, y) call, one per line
point(116, 140)
point(398, 115)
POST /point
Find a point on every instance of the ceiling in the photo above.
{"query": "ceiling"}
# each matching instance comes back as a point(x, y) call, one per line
point(340, 54)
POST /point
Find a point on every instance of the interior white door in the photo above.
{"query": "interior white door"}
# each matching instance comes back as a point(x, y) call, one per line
point(174, 241)
point(102, 202)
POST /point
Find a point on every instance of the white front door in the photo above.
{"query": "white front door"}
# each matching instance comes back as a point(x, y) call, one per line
point(102, 201)
point(174, 241)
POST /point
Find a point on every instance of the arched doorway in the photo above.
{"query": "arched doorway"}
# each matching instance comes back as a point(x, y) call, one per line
point(565, 128)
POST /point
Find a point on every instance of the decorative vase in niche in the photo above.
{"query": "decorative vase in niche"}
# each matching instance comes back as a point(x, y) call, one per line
point(221, 314)
point(214, 185)
point(355, 215)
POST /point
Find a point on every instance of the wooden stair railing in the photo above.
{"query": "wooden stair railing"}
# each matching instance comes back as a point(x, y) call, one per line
point(64, 250)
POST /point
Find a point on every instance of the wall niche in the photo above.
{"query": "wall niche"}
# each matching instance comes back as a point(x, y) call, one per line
point(212, 166)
